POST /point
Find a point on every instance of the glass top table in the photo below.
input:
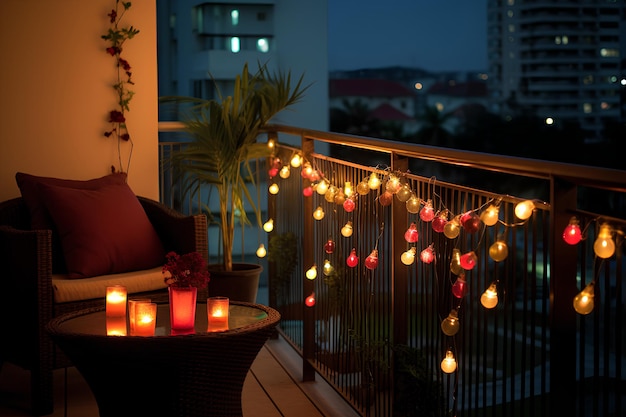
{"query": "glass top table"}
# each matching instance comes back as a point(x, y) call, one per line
point(192, 375)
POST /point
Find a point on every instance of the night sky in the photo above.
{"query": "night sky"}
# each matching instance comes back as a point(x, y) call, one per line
point(436, 35)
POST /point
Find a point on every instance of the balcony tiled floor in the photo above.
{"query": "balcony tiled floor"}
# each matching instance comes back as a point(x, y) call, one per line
point(273, 388)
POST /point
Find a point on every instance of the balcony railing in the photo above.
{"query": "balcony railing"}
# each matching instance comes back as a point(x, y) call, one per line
point(375, 330)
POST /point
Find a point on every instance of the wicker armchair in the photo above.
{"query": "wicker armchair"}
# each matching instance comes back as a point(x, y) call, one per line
point(26, 259)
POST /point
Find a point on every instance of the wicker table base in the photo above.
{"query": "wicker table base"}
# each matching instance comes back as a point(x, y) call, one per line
point(195, 375)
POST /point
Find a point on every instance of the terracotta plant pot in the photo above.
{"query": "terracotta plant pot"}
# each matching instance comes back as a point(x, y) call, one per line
point(240, 284)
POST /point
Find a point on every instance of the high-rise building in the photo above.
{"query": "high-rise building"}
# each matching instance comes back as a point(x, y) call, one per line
point(563, 61)
point(206, 43)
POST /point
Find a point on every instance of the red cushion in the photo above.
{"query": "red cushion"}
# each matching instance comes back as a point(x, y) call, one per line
point(102, 231)
point(29, 188)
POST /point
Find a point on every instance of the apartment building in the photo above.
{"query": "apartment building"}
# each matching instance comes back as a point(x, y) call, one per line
point(561, 60)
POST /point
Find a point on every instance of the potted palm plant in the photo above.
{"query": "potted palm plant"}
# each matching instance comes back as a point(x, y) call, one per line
point(223, 144)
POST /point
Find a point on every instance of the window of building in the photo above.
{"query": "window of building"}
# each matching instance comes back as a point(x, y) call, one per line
point(263, 45)
point(234, 17)
point(235, 44)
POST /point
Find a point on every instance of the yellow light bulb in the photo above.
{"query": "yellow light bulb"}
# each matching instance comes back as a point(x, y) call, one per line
point(261, 251)
point(374, 182)
point(413, 204)
point(318, 214)
point(348, 190)
point(448, 364)
point(583, 302)
point(329, 195)
point(408, 257)
point(346, 230)
point(450, 325)
point(498, 251)
point(269, 225)
point(604, 247)
point(455, 262)
point(452, 228)
point(490, 215)
point(285, 172)
point(311, 273)
point(362, 188)
point(328, 268)
point(322, 187)
point(296, 161)
point(524, 209)
point(274, 188)
point(489, 299)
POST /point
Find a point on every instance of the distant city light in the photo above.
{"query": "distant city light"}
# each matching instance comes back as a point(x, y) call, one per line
point(418, 86)
point(234, 44)
point(549, 121)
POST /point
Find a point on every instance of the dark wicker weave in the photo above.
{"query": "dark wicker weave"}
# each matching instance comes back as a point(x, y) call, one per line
point(26, 259)
point(191, 375)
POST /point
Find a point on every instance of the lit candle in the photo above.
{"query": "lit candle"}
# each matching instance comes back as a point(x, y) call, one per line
point(116, 325)
point(132, 302)
point(145, 319)
point(217, 312)
point(116, 301)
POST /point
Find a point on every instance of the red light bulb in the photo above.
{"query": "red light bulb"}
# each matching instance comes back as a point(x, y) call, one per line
point(470, 222)
point(572, 234)
point(427, 255)
point(307, 191)
point(329, 246)
point(371, 262)
point(460, 287)
point(468, 260)
point(439, 222)
point(349, 205)
point(352, 259)
point(427, 213)
point(310, 300)
point(272, 172)
point(411, 235)
point(385, 198)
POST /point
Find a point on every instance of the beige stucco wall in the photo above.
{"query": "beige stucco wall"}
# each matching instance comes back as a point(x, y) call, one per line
point(56, 92)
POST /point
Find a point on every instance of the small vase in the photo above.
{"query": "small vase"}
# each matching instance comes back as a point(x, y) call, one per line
point(182, 308)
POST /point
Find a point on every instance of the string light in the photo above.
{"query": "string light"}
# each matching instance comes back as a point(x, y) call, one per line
point(411, 235)
point(452, 228)
point(428, 254)
point(349, 205)
point(460, 287)
point(329, 246)
point(427, 213)
point(572, 233)
point(285, 172)
point(261, 251)
point(604, 247)
point(439, 222)
point(490, 216)
point(470, 222)
point(310, 300)
point(374, 182)
point(328, 268)
point(346, 230)
point(322, 187)
point(296, 161)
point(524, 209)
point(408, 257)
point(385, 198)
point(269, 225)
point(273, 189)
point(455, 262)
point(340, 197)
point(583, 302)
point(448, 364)
point(353, 259)
point(330, 194)
point(371, 262)
point(393, 184)
point(498, 251)
point(311, 273)
point(307, 191)
point(362, 187)
point(489, 299)
point(318, 214)
point(307, 171)
point(468, 260)
point(404, 193)
point(413, 204)
point(450, 325)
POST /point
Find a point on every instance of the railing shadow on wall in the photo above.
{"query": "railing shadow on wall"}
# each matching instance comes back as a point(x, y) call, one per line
point(380, 328)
